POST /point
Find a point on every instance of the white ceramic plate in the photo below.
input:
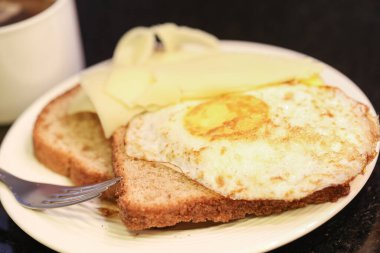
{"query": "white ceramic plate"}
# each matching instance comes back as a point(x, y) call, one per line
point(82, 228)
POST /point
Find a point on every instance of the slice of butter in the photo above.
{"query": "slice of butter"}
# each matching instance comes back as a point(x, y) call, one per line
point(128, 84)
point(203, 76)
point(142, 78)
point(135, 47)
point(173, 37)
point(81, 103)
point(225, 72)
point(159, 95)
point(138, 86)
point(111, 112)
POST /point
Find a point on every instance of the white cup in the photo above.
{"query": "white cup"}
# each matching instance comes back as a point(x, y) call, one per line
point(36, 54)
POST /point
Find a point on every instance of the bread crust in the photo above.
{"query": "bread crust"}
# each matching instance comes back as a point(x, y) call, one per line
point(59, 158)
point(207, 206)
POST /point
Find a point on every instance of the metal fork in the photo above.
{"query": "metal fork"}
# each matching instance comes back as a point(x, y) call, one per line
point(42, 196)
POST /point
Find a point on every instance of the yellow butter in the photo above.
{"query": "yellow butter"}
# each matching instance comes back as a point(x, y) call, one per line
point(163, 82)
point(142, 78)
point(174, 37)
point(81, 103)
point(128, 84)
point(134, 47)
point(112, 113)
point(225, 72)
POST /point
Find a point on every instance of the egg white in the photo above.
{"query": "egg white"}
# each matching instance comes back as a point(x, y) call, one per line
point(315, 137)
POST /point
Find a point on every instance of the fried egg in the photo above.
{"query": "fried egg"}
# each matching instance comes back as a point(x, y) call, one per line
point(282, 141)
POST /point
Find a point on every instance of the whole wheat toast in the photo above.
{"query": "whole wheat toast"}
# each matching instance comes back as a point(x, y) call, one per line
point(150, 194)
point(153, 195)
point(73, 145)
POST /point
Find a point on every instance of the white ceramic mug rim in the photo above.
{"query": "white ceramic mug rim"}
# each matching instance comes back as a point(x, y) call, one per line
point(32, 20)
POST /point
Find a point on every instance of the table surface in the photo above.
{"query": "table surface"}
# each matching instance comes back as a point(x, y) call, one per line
point(344, 34)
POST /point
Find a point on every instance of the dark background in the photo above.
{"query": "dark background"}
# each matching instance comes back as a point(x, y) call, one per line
point(343, 33)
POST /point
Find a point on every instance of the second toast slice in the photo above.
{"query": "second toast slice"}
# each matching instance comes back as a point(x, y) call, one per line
point(73, 145)
point(153, 195)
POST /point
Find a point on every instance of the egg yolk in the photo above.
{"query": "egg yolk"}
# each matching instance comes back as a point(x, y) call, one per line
point(229, 116)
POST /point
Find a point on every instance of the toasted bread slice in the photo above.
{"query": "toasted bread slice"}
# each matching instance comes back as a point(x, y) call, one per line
point(73, 145)
point(153, 195)
point(150, 194)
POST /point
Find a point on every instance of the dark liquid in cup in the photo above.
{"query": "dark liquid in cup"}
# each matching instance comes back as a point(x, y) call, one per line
point(12, 11)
